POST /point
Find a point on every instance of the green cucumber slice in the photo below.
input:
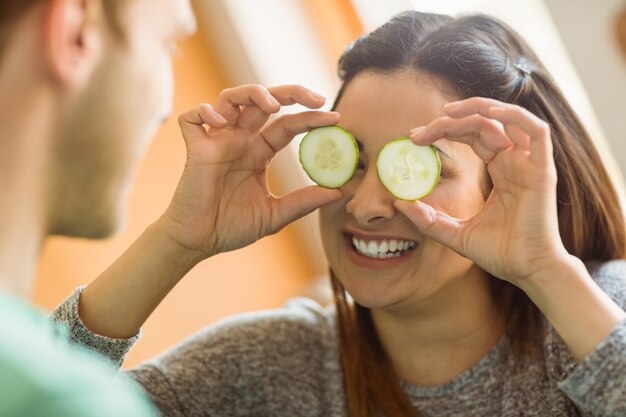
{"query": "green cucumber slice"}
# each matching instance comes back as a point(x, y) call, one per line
point(329, 155)
point(408, 171)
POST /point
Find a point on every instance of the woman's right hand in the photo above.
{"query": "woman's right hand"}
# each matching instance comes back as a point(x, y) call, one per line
point(222, 201)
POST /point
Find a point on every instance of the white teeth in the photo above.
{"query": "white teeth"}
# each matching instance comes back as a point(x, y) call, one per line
point(382, 249)
point(372, 248)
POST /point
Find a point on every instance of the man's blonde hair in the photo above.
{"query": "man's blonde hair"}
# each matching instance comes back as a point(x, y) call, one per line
point(10, 13)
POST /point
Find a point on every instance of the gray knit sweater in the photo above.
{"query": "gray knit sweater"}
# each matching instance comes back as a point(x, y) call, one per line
point(285, 363)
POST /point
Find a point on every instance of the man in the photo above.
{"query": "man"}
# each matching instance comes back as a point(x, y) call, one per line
point(67, 67)
point(83, 86)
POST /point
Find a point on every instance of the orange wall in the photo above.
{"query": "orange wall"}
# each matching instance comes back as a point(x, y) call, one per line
point(257, 277)
point(260, 276)
point(337, 24)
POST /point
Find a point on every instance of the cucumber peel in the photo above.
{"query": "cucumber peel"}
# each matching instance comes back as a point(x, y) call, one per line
point(329, 155)
point(408, 171)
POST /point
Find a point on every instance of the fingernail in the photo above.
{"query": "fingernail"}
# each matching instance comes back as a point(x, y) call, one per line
point(317, 96)
point(273, 101)
point(452, 105)
point(416, 132)
point(221, 119)
point(426, 208)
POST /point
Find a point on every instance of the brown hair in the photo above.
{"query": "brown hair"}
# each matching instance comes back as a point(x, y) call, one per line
point(12, 10)
point(477, 55)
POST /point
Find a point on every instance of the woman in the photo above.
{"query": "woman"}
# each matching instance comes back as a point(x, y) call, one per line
point(502, 299)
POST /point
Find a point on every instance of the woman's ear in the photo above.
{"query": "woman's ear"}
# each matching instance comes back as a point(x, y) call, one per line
point(620, 31)
point(72, 39)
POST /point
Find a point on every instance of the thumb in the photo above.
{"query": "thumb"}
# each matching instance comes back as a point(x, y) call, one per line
point(433, 224)
point(297, 204)
point(192, 122)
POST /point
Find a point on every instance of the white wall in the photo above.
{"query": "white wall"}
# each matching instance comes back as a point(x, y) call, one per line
point(586, 28)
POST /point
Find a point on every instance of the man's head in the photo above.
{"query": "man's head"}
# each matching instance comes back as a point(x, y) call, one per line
point(102, 70)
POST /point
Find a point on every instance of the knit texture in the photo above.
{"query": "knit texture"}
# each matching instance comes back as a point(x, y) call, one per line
point(285, 363)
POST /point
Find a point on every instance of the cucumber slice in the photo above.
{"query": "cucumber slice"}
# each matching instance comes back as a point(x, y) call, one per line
point(329, 155)
point(408, 171)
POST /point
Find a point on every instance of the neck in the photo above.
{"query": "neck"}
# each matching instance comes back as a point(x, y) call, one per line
point(436, 340)
point(27, 125)
point(20, 245)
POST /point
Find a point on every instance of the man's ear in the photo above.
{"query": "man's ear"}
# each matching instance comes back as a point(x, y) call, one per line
point(72, 39)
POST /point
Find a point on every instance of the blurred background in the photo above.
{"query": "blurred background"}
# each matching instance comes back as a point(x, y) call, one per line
point(299, 41)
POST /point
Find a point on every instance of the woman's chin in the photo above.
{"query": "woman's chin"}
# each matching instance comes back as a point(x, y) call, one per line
point(370, 298)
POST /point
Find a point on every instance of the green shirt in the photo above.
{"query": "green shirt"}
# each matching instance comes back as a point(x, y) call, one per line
point(41, 374)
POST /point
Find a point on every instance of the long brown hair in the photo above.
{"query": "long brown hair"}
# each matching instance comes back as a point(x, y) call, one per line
point(477, 55)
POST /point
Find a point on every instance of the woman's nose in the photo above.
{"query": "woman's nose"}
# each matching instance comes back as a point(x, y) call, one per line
point(370, 202)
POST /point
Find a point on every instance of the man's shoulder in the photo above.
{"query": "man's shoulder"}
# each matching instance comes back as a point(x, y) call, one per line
point(40, 375)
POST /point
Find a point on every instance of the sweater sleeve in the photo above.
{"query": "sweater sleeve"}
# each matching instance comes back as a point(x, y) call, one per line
point(597, 385)
point(270, 363)
point(113, 349)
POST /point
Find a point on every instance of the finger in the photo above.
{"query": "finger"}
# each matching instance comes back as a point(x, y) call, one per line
point(503, 112)
point(253, 118)
point(230, 100)
point(280, 132)
point(472, 105)
point(297, 94)
point(299, 203)
point(537, 129)
point(486, 137)
point(192, 121)
point(433, 224)
point(534, 127)
point(520, 139)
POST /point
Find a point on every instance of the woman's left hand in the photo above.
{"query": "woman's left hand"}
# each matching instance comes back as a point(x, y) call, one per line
point(515, 234)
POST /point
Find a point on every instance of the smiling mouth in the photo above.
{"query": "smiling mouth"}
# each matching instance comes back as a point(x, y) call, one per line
point(383, 249)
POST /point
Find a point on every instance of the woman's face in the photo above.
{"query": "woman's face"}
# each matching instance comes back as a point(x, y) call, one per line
point(378, 108)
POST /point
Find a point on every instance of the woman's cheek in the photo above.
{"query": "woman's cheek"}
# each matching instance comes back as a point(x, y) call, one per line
point(440, 198)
